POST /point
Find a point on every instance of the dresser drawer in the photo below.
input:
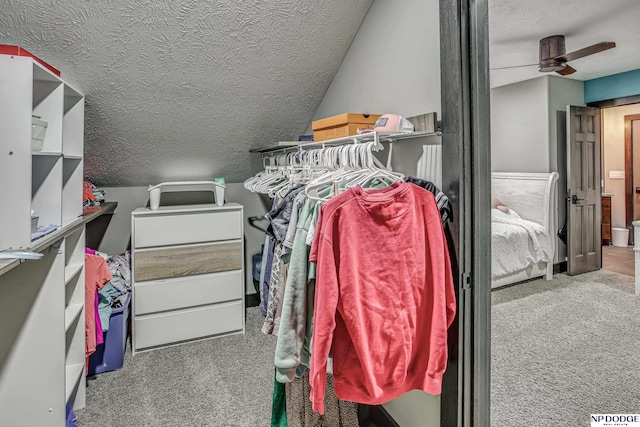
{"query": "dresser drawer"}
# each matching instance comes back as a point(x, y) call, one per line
point(177, 229)
point(187, 260)
point(184, 292)
point(184, 325)
point(606, 202)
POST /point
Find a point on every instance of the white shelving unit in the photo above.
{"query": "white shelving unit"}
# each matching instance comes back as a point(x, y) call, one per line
point(74, 244)
point(42, 343)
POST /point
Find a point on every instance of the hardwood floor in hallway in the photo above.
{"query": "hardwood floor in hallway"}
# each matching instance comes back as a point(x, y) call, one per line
point(618, 260)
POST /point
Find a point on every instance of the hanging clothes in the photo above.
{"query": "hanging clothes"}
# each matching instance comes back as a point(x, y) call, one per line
point(384, 295)
point(339, 413)
point(297, 310)
point(279, 218)
point(444, 206)
point(363, 273)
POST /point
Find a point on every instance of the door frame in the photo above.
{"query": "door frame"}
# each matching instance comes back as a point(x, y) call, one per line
point(466, 150)
point(608, 103)
point(628, 171)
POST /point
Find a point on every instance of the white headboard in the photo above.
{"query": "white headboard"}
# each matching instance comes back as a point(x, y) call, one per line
point(532, 195)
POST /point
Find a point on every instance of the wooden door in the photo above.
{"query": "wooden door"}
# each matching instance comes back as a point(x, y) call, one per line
point(632, 169)
point(584, 190)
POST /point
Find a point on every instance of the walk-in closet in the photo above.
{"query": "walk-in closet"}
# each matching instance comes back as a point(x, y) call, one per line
point(244, 214)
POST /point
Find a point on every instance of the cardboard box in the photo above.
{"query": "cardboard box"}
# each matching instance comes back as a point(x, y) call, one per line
point(8, 49)
point(425, 122)
point(342, 125)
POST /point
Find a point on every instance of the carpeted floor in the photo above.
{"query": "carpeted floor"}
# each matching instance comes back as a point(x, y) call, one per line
point(561, 350)
point(224, 382)
point(565, 349)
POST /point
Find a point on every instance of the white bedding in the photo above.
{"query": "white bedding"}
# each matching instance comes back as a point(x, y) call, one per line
point(517, 243)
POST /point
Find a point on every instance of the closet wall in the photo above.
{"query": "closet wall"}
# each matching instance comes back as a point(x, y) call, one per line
point(393, 66)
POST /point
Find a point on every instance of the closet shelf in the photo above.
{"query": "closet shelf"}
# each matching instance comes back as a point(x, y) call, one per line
point(71, 378)
point(71, 313)
point(41, 244)
point(46, 153)
point(365, 137)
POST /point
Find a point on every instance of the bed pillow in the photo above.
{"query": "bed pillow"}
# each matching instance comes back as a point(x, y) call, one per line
point(498, 204)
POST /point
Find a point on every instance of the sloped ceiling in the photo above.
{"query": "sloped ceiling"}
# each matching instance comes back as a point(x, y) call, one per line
point(179, 90)
point(516, 26)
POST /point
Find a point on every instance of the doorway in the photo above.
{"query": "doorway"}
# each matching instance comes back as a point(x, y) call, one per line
point(621, 176)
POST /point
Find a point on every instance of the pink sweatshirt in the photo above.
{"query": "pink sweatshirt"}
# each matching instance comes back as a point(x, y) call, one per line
point(384, 295)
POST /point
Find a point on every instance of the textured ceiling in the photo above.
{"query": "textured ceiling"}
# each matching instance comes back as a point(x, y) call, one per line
point(180, 90)
point(516, 26)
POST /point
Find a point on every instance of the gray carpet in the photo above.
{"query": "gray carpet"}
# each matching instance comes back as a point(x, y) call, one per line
point(565, 349)
point(226, 381)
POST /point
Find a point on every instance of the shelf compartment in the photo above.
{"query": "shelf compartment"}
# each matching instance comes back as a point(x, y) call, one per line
point(71, 313)
point(49, 109)
point(72, 270)
point(72, 171)
point(71, 378)
point(71, 97)
point(73, 127)
point(46, 188)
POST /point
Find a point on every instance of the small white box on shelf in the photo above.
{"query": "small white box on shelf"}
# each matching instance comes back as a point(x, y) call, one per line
point(38, 131)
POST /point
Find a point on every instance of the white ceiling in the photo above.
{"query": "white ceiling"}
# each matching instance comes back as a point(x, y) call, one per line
point(516, 26)
point(182, 89)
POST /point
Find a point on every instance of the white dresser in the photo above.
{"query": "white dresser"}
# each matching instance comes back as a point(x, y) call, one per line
point(188, 274)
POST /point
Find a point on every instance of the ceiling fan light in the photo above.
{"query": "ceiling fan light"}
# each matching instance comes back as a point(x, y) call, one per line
point(548, 68)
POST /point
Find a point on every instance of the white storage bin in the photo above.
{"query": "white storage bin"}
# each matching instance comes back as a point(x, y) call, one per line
point(620, 237)
point(38, 131)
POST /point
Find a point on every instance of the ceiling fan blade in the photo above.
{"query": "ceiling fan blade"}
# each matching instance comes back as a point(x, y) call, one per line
point(513, 66)
point(568, 69)
point(590, 50)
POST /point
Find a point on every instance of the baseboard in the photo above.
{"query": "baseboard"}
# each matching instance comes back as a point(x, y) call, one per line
point(375, 416)
point(251, 300)
point(560, 267)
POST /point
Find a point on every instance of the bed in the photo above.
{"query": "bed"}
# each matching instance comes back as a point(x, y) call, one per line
point(523, 237)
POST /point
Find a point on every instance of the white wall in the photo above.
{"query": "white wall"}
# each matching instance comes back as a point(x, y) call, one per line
point(393, 66)
point(118, 234)
point(562, 92)
point(613, 153)
point(520, 127)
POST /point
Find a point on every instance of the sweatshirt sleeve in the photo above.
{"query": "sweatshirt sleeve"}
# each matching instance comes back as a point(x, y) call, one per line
point(326, 302)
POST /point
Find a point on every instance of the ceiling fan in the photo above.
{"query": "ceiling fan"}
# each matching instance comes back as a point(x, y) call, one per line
point(553, 56)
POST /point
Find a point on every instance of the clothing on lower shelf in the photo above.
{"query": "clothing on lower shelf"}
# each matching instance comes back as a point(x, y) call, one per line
point(43, 231)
